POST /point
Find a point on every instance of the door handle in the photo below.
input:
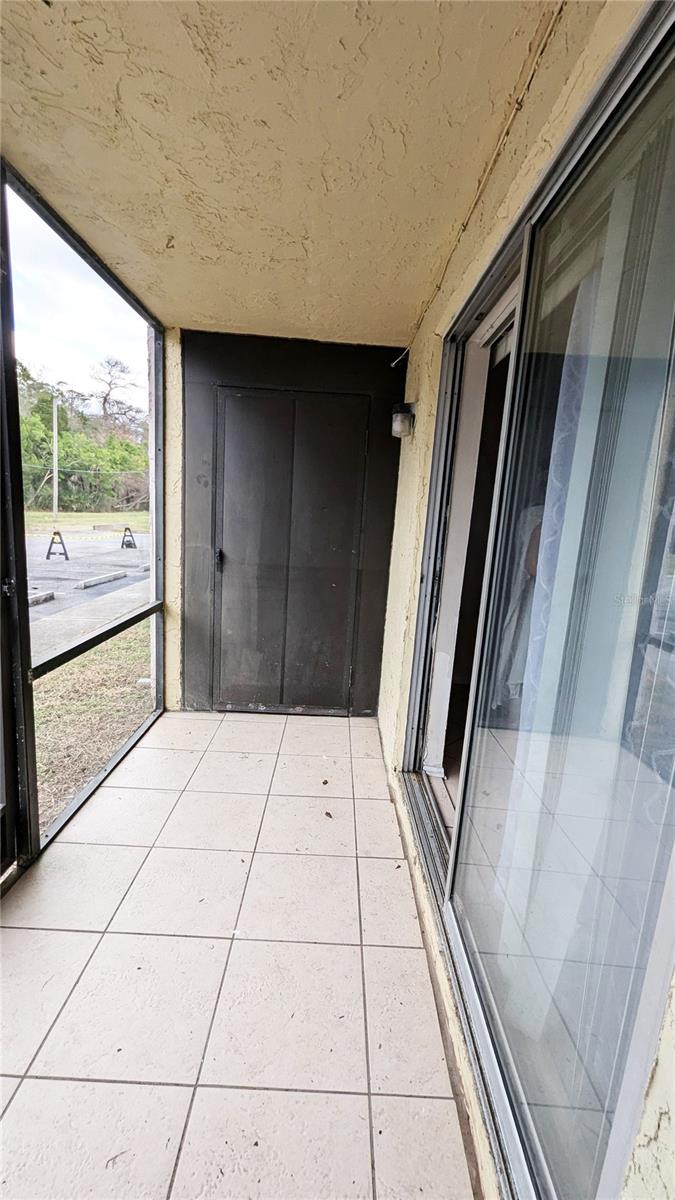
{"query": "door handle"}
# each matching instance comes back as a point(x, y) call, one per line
point(220, 559)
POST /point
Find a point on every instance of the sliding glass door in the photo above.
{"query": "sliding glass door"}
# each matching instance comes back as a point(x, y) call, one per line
point(567, 818)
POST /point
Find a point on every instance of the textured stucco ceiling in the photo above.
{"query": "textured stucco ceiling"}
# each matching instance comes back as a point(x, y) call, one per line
point(278, 168)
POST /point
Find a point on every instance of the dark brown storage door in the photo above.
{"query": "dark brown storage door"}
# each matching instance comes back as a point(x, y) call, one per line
point(253, 637)
point(254, 454)
point(326, 511)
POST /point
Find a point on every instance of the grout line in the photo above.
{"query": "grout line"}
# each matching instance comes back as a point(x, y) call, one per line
point(371, 1134)
point(93, 952)
point(188, 1114)
point(218, 937)
point(217, 726)
point(243, 1087)
point(136, 787)
point(244, 850)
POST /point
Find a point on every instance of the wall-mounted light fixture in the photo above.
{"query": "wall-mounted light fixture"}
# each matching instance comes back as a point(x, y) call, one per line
point(402, 420)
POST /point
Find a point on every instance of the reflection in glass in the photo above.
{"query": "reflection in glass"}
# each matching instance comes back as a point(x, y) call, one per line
point(568, 818)
point(86, 710)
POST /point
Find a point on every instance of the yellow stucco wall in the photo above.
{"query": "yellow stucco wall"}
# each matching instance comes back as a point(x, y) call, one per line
point(651, 1171)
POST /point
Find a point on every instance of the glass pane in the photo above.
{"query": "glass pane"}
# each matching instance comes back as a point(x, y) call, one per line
point(82, 358)
point(568, 820)
point(86, 710)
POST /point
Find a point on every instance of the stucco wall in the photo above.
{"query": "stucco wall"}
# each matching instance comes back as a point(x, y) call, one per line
point(651, 1171)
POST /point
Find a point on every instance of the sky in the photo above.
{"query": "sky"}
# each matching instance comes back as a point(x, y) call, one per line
point(67, 319)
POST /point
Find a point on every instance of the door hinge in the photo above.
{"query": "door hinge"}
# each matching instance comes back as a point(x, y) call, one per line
point(9, 587)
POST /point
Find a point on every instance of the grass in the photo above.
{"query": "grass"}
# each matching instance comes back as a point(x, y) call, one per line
point(85, 711)
point(38, 522)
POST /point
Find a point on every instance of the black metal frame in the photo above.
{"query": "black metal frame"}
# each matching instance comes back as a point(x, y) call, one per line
point(18, 723)
point(75, 649)
point(18, 720)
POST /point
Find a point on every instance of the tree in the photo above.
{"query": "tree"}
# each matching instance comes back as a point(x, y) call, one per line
point(102, 466)
point(114, 377)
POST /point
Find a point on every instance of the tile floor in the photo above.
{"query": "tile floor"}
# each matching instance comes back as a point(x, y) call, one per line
point(214, 983)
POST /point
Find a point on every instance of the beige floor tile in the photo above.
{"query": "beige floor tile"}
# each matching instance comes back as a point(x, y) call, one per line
point(275, 1146)
point(258, 718)
point(190, 733)
point(311, 775)
point(419, 1149)
point(299, 719)
point(304, 899)
point(70, 1140)
point(167, 769)
point(363, 722)
point(127, 816)
point(290, 1016)
point(223, 771)
point(329, 740)
point(388, 913)
point(214, 821)
point(191, 715)
point(39, 967)
point(406, 1051)
point(307, 825)
point(8, 1086)
point(140, 1011)
point(365, 741)
point(195, 893)
point(72, 887)
point(377, 832)
point(249, 737)
point(370, 779)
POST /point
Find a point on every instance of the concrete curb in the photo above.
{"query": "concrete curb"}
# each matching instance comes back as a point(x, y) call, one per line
point(39, 598)
point(98, 579)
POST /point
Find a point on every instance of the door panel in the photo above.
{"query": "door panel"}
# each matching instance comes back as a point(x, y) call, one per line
point(327, 503)
point(254, 451)
point(289, 505)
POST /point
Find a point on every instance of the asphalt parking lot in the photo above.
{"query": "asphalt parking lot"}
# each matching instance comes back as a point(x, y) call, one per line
point(92, 553)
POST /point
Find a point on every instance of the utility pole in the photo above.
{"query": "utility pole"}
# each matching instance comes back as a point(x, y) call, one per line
point(55, 457)
point(57, 544)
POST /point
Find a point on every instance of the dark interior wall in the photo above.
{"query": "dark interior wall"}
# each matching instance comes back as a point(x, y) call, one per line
point(212, 360)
